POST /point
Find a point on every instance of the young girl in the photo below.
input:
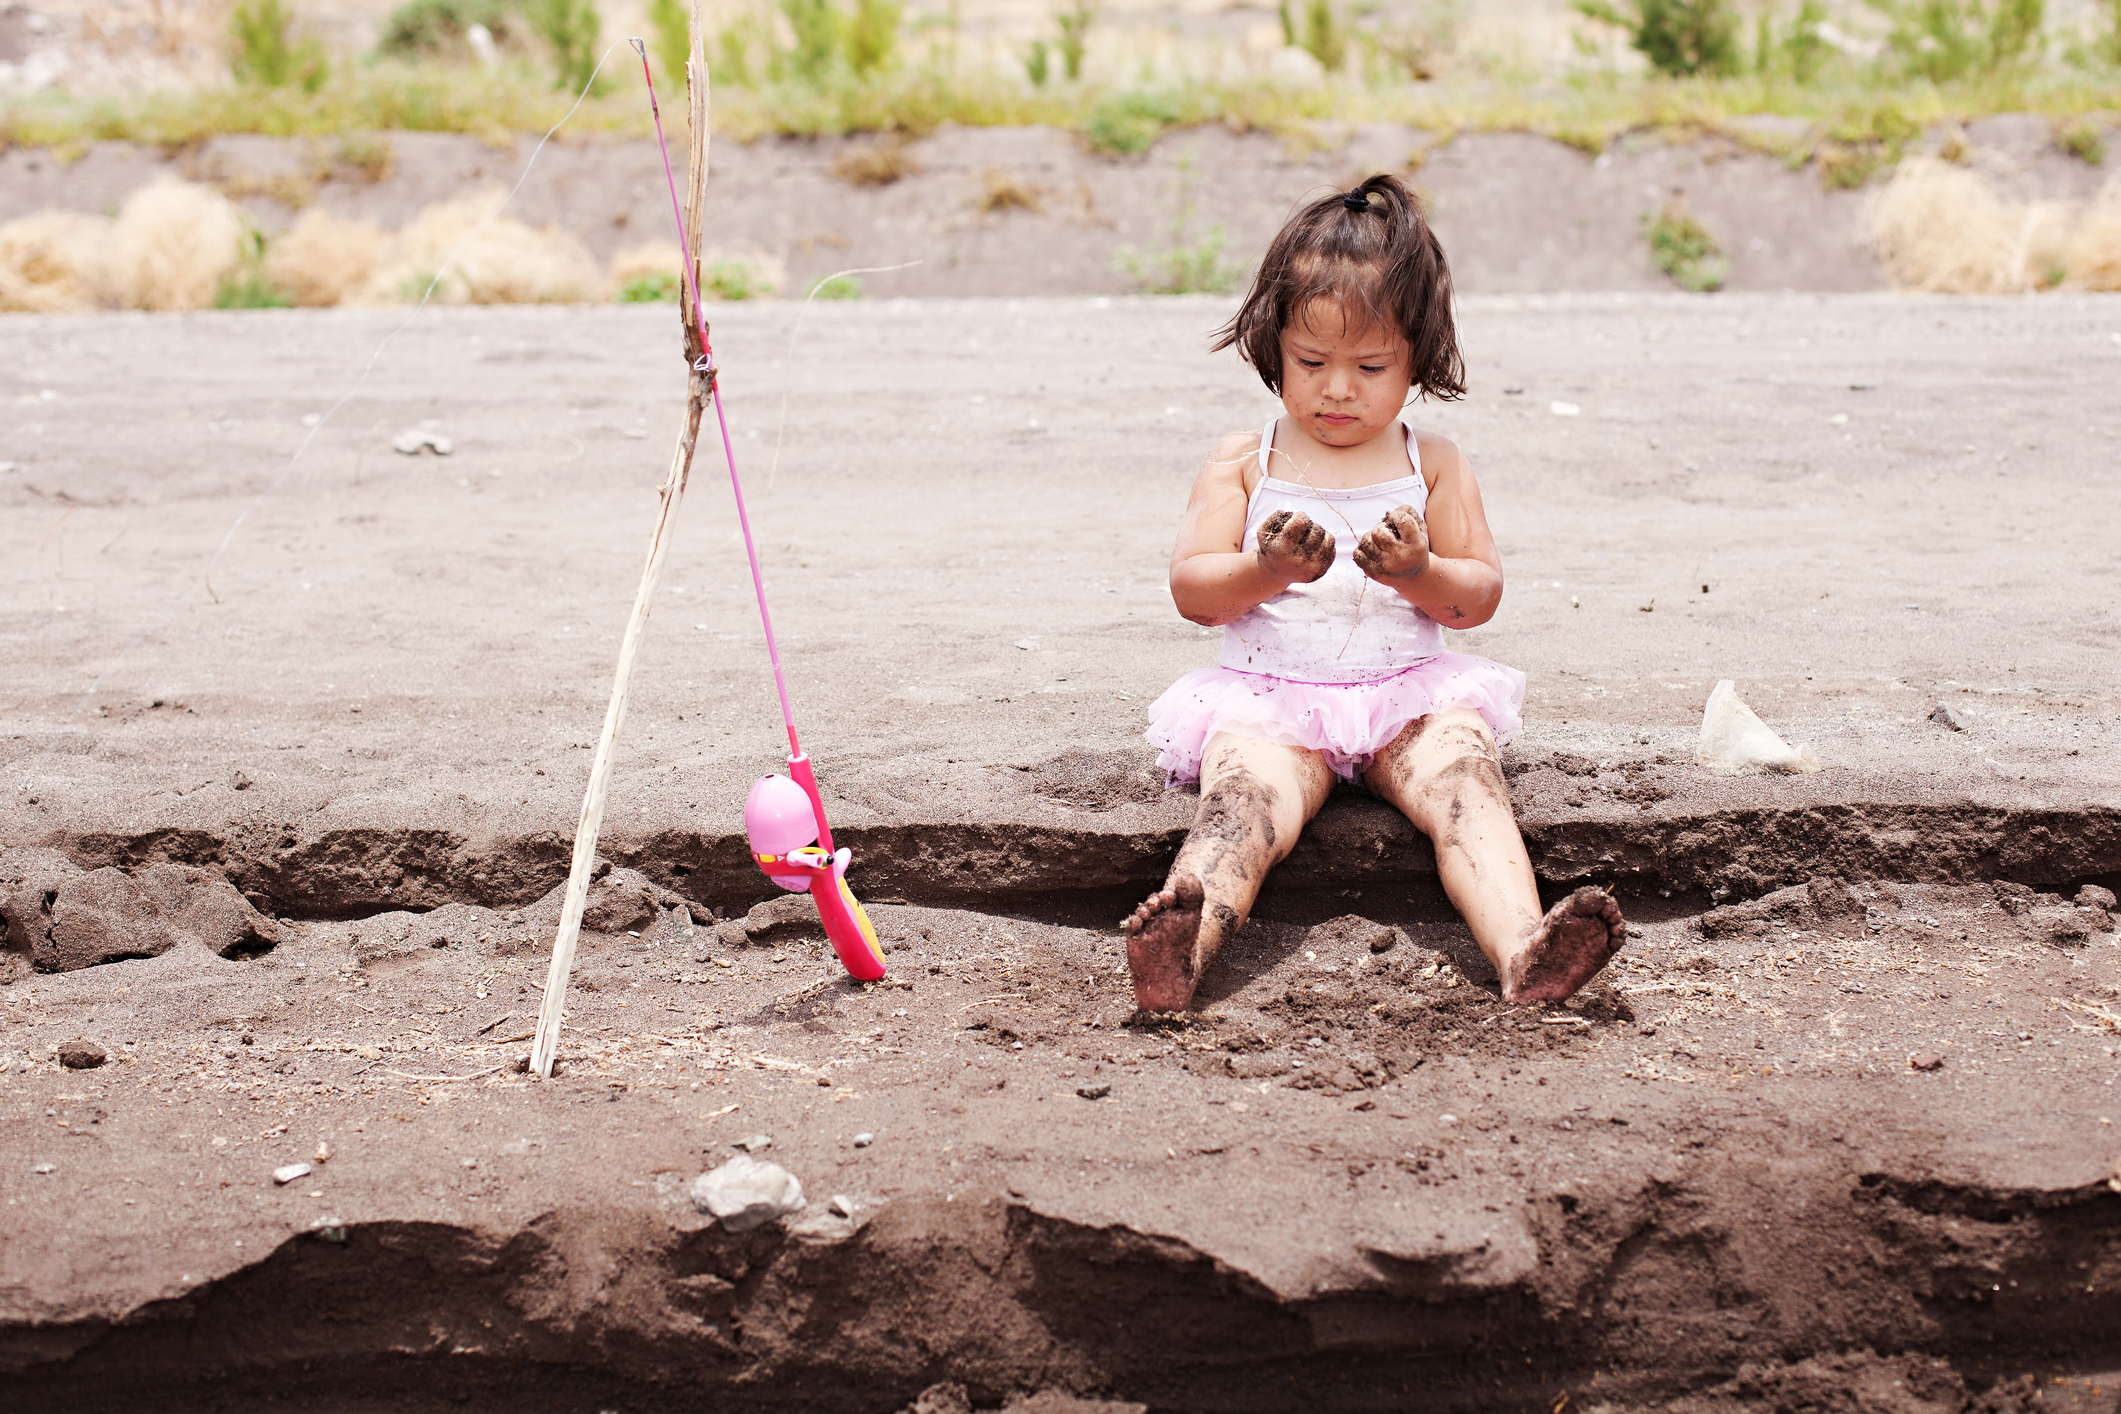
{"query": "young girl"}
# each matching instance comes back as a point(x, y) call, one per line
point(1330, 546)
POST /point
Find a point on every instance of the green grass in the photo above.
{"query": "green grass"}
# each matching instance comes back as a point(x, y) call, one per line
point(1683, 249)
point(836, 287)
point(648, 289)
point(1855, 122)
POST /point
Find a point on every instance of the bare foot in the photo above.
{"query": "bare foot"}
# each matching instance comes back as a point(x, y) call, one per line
point(1568, 947)
point(1162, 938)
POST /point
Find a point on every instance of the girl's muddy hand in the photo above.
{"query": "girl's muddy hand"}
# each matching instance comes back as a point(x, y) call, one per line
point(1397, 547)
point(1293, 548)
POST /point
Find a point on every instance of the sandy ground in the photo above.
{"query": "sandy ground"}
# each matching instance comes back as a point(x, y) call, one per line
point(1519, 214)
point(1716, 1184)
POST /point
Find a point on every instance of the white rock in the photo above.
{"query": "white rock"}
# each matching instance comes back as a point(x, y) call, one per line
point(288, 1173)
point(746, 1193)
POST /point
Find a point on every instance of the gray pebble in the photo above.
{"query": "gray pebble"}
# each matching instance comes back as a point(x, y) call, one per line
point(1945, 717)
point(754, 1143)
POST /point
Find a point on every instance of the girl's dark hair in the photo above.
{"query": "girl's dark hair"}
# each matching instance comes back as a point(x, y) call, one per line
point(1369, 251)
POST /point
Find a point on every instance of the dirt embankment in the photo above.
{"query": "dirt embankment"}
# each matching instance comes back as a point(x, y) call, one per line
point(1030, 212)
point(1841, 1144)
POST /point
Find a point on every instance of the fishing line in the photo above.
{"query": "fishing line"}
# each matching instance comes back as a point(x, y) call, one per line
point(206, 575)
point(788, 363)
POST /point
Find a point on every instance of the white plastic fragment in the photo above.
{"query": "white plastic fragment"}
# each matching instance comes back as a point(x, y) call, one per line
point(1735, 742)
point(745, 1193)
point(420, 439)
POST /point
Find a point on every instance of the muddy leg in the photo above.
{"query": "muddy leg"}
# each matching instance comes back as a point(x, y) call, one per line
point(1444, 774)
point(1254, 799)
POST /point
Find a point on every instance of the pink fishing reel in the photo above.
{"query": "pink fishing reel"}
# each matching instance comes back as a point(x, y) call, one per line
point(783, 820)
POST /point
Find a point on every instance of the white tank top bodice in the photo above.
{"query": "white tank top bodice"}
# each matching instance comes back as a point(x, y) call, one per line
point(1342, 627)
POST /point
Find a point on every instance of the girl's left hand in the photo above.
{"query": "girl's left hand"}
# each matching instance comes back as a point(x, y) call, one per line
point(1397, 547)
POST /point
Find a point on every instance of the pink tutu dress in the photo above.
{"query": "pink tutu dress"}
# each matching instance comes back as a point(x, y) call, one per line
point(1340, 665)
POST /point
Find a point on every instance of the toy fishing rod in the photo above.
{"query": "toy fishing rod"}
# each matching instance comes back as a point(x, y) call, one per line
point(784, 816)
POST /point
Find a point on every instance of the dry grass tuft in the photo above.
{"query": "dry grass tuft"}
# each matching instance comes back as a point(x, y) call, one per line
point(1002, 191)
point(2093, 256)
point(52, 262)
point(875, 164)
point(171, 247)
point(1942, 228)
point(323, 260)
point(506, 263)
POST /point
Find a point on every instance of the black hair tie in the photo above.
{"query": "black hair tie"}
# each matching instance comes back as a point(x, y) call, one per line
point(1357, 200)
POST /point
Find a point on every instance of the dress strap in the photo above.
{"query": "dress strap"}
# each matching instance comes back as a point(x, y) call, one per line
point(1413, 450)
point(1266, 446)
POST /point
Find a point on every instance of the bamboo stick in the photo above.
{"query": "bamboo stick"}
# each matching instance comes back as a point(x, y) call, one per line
point(699, 385)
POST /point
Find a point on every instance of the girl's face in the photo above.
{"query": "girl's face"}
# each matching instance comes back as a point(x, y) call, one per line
point(1342, 385)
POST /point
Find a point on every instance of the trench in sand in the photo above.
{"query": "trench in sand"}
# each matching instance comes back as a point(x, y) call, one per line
point(1668, 1236)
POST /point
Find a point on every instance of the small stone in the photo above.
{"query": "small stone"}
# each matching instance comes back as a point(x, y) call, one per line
point(864, 1140)
point(323, 1152)
point(1447, 1119)
point(1646, 1029)
point(745, 1193)
point(2093, 896)
point(1945, 717)
point(842, 1205)
point(1925, 1060)
point(329, 1227)
point(44, 1168)
point(288, 1173)
point(754, 1143)
point(1093, 1092)
point(81, 1055)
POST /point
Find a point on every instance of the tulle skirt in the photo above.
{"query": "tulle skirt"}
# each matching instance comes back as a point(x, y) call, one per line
point(1347, 723)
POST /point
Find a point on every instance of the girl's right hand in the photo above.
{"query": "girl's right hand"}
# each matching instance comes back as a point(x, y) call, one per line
point(1293, 548)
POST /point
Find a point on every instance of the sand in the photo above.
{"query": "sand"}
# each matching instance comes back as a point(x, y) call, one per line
point(376, 722)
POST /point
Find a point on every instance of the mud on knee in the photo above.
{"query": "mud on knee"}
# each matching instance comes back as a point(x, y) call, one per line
point(1234, 808)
